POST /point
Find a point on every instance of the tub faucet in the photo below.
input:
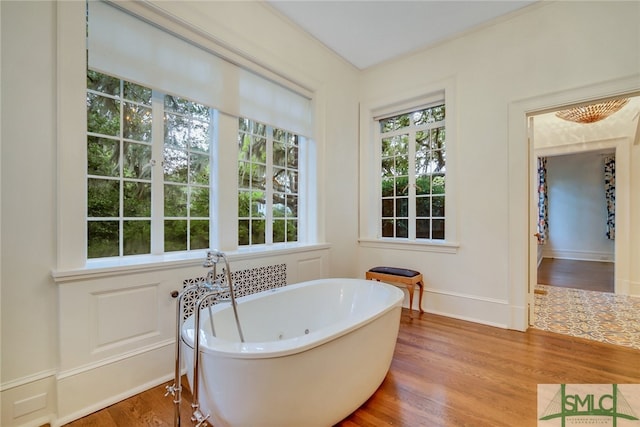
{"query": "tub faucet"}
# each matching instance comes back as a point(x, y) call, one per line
point(216, 285)
point(212, 258)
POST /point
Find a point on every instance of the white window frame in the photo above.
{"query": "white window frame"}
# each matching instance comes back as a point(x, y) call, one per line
point(71, 183)
point(410, 131)
point(370, 161)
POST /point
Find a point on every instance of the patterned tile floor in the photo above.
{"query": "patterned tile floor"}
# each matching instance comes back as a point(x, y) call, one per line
point(599, 316)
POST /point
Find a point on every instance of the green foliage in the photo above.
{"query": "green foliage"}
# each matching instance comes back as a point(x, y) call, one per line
point(175, 235)
point(395, 123)
point(120, 123)
point(136, 237)
point(103, 156)
point(103, 198)
point(243, 232)
point(103, 239)
point(103, 83)
point(103, 115)
point(258, 231)
point(137, 199)
point(199, 202)
point(137, 161)
point(199, 234)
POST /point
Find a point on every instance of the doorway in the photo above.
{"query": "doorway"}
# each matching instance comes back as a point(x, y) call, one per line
point(577, 250)
point(570, 275)
point(521, 258)
point(554, 138)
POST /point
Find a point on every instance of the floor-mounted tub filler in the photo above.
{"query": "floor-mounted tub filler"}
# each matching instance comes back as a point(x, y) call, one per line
point(312, 353)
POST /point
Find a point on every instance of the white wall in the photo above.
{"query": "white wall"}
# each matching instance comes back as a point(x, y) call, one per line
point(577, 208)
point(65, 353)
point(29, 306)
point(532, 59)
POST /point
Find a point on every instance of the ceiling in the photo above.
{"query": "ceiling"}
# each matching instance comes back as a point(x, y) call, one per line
point(622, 124)
point(369, 32)
point(366, 33)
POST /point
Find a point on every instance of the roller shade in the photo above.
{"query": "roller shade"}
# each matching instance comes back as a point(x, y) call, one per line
point(122, 45)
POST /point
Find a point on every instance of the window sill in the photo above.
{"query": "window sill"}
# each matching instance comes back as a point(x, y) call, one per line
point(107, 267)
point(411, 245)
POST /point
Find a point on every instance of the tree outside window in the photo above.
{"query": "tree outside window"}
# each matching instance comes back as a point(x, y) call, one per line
point(268, 180)
point(120, 184)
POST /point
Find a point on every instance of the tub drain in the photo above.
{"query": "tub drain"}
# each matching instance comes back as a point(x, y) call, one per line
point(306, 331)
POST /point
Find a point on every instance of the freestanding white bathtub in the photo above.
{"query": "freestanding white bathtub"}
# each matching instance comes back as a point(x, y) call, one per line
point(313, 353)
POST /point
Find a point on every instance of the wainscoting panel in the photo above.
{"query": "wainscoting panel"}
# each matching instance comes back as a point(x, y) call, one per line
point(28, 402)
point(126, 315)
point(310, 269)
point(113, 316)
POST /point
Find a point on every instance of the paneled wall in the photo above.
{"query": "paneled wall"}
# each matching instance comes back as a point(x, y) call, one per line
point(117, 330)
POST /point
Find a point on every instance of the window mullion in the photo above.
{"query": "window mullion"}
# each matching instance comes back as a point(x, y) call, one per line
point(121, 173)
point(268, 229)
point(157, 173)
point(412, 183)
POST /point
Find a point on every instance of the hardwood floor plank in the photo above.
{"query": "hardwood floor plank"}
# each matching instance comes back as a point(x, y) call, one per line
point(445, 372)
point(586, 275)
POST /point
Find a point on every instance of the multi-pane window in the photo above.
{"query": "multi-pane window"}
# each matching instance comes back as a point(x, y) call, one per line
point(187, 170)
point(120, 183)
point(267, 184)
point(119, 149)
point(413, 174)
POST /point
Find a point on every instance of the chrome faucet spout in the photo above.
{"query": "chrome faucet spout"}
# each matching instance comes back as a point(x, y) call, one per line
point(212, 282)
point(213, 257)
point(215, 288)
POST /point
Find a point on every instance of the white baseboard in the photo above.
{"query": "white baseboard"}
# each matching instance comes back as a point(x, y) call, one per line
point(634, 289)
point(29, 401)
point(487, 311)
point(89, 390)
point(579, 255)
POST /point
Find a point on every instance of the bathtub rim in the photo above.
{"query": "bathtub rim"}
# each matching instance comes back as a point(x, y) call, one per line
point(286, 347)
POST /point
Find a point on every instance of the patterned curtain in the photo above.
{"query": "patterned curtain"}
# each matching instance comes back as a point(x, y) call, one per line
point(610, 194)
point(543, 201)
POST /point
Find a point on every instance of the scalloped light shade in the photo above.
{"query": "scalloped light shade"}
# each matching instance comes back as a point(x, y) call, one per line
point(594, 112)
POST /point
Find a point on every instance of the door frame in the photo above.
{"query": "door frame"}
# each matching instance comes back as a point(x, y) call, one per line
point(622, 152)
point(520, 153)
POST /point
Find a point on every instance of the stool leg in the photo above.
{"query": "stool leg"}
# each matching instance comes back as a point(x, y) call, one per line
point(410, 288)
point(421, 286)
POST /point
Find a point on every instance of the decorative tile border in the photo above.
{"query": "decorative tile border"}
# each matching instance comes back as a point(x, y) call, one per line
point(599, 316)
point(246, 282)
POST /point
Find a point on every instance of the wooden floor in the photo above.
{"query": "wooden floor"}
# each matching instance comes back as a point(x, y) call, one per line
point(445, 372)
point(585, 275)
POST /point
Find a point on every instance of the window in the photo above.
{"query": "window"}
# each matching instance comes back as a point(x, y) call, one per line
point(154, 181)
point(267, 184)
point(413, 171)
point(187, 174)
point(121, 185)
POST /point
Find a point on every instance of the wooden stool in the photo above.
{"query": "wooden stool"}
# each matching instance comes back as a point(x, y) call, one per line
point(402, 276)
